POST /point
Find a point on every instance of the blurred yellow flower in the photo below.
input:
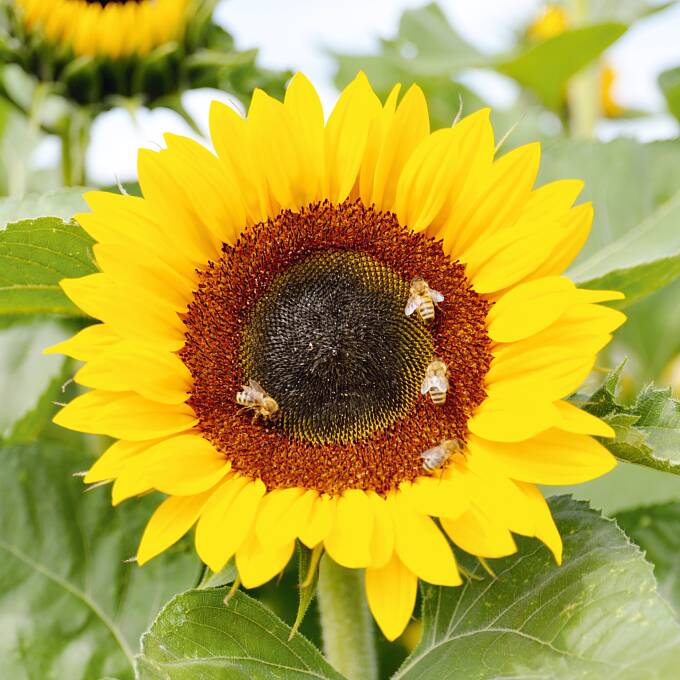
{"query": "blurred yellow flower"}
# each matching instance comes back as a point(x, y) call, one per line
point(550, 22)
point(113, 28)
point(261, 359)
point(553, 21)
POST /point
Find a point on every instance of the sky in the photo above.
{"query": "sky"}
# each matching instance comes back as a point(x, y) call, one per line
point(296, 34)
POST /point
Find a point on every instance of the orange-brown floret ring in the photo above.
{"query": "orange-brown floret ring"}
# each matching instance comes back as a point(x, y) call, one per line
point(224, 325)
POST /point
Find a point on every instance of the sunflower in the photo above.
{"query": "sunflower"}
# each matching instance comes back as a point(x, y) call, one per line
point(356, 335)
point(114, 28)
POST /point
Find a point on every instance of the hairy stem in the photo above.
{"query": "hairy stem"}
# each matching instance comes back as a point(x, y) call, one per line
point(346, 623)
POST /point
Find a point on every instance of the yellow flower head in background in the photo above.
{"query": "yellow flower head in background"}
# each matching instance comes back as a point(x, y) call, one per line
point(111, 28)
point(552, 21)
point(354, 334)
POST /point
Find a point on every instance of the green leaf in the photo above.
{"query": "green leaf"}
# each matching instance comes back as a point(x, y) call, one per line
point(656, 529)
point(645, 258)
point(25, 375)
point(61, 203)
point(198, 635)
point(228, 574)
point(308, 579)
point(545, 68)
point(35, 255)
point(71, 607)
point(597, 616)
point(647, 432)
point(669, 82)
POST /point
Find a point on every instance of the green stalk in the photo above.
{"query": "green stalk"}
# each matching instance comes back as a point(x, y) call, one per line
point(583, 95)
point(346, 623)
point(74, 136)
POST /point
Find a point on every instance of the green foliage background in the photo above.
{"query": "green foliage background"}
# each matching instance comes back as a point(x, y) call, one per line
point(72, 608)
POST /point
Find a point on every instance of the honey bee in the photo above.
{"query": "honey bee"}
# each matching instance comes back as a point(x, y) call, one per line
point(253, 397)
point(423, 299)
point(436, 382)
point(436, 457)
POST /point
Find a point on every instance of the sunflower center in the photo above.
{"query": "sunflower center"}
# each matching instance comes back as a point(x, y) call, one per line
point(311, 306)
point(330, 342)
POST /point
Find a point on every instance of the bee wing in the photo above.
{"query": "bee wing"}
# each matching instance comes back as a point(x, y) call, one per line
point(412, 305)
point(436, 296)
point(426, 384)
point(439, 382)
point(430, 453)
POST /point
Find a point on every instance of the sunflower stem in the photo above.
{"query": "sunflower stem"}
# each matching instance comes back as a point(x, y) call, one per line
point(74, 136)
point(583, 91)
point(346, 624)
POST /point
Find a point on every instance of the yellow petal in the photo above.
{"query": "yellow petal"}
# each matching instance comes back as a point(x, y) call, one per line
point(230, 136)
point(574, 419)
point(115, 459)
point(382, 543)
point(376, 138)
point(258, 562)
point(391, 594)
point(129, 484)
point(305, 107)
point(407, 129)
point(321, 518)
point(426, 181)
point(505, 418)
point(184, 465)
point(544, 525)
point(211, 190)
point(160, 174)
point(349, 540)
point(131, 313)
point(437, 497)
point(124, 415)
point(346, 135)
point(504, 257)
point(478, 534)
point(128, 366)
point(574, 234)
point(280, 148)
point(226, 520)
point(86, 344)
point(552, 457)
point(501, 196)
point(171, 520)
point(551, 372)
point(146, 271)
point(275, 511)
point(529, 308)
point(422, 547)
point(585, 296)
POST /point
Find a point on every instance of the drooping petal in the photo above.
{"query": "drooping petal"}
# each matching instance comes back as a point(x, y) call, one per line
point(171, 520)
point(184, 465)
point(391, 594)
point(422, 547)
point(349, 540)
point(258, 562)
point(226, 521)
